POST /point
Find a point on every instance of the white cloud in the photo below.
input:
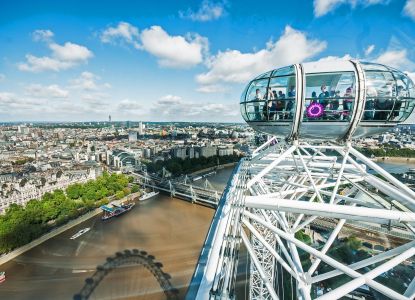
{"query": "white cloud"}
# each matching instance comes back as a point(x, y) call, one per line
point(411, 75)
point(42, 35)
point(235, 66)
point(62, 57)
point(70, 52)
point(409, 9)
point(369, 50)
point(2, 77)
point(87, 81)
point(397, 59)
point(207, 11)
point(12, 104)
point(171, 51)
point(174, 51)
point(94, 97)
point(322, 7)
point(335, 58)
point(124, 32)
point(39, 64)
point(213, 88)
point(174, 108)
point(127, 105)
point(88, 88)
point(6, 97)
point(170, 99)
point(50, 91)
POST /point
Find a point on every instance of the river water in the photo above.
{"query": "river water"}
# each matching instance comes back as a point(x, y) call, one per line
point(170, 229)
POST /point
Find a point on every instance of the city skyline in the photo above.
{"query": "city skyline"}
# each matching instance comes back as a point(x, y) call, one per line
point(151, 62)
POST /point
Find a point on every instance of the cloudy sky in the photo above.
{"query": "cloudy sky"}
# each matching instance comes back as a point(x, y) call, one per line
point(178, 60)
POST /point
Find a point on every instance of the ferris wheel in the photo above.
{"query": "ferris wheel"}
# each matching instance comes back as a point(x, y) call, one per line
point(310, 216)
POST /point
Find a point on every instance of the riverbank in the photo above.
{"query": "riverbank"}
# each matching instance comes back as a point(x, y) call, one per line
point(169, 229)
point(16, 252)
point(394, 159)
point(54, 232)
point(219, 167)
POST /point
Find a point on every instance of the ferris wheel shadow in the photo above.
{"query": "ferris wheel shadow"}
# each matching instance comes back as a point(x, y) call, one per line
point(129, 257)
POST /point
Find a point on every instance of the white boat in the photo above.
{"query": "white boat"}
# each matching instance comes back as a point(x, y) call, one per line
point(146, 196)
point(79, 233)
point(197, 178)
point(2, 277)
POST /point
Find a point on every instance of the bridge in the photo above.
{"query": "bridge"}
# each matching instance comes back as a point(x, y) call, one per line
point(181, 187)
point(283, 191)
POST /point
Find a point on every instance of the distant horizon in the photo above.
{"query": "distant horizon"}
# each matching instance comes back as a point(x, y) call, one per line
point(116, 121)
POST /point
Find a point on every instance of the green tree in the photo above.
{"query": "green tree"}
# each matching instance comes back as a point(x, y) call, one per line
point(119, 195)
point(135, 188)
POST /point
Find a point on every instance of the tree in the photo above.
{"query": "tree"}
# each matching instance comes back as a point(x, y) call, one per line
point(126, 191)
point(119, 195)
point(20, 225)
point(135, 188)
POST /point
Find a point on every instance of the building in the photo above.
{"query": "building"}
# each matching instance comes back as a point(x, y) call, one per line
point(141, 128)
point(208, 151)
point(132, 136)
point(20, 191)
point(147, 152)
point(179, 153)
point(225, 151)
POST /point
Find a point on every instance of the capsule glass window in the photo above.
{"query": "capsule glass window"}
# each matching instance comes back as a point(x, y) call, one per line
point(256, 99)
point(381, 94)
point(329, 97)
point(404, 101)
point(280, 98)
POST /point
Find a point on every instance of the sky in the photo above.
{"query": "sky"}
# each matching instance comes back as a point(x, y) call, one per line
point(178, 60)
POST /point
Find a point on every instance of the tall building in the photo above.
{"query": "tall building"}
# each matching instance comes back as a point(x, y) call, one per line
point(132, 136)
point(141, 127)
point(109, 118)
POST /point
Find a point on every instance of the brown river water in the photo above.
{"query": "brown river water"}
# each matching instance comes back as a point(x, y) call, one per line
point(170, 229)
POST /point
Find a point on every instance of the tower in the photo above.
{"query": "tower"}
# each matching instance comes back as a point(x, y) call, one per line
point(141, 127)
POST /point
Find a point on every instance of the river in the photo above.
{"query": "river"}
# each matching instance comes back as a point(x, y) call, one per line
point(172, 230)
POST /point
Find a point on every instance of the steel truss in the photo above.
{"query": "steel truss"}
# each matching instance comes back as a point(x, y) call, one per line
point(286, 190)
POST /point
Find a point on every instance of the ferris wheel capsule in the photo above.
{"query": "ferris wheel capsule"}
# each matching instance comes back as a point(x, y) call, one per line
point(328, 100)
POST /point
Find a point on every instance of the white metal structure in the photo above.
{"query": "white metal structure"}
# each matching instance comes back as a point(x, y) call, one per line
point(286, 188)
point(307, 213)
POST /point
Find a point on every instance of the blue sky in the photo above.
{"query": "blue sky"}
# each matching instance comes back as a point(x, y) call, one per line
point(178, 60)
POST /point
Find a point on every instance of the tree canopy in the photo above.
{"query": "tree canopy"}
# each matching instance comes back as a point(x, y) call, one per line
point(20, 225)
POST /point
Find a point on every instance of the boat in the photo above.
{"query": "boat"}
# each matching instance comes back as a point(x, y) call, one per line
point(197, 178)
point(79, 233)
point(146, 196)
point(209, 174)
point(2, 277)
point(114, 210)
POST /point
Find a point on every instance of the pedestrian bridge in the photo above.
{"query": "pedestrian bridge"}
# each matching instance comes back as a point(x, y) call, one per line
point(180, 188)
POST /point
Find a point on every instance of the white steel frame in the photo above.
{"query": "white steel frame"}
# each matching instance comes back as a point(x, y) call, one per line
point(284, 188)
